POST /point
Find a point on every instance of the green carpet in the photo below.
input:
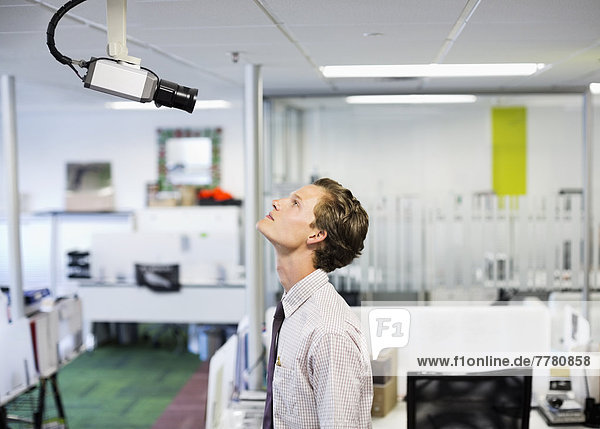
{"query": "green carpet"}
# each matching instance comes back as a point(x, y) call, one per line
point(126, 387)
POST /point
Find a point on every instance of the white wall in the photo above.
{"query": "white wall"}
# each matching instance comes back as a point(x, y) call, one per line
point(128, 139)
point(373, 150)
point(554, 149)
point(440, 149)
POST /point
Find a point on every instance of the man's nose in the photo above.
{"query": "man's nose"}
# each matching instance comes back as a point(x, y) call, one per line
point(275, 204)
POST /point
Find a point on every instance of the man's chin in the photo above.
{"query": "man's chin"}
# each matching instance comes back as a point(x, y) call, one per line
point(261, 225)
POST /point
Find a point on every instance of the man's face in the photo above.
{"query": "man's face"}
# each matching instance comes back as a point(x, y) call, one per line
point(287, 226)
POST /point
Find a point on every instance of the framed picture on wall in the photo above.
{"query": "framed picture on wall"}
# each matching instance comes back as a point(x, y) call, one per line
point(89, 187)
point(189, 157)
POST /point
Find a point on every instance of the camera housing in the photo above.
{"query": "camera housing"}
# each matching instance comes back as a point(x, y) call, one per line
point(138, 84)
point(121, 79)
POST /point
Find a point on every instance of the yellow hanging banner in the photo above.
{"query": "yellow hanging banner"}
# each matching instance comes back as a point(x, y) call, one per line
point(509, 150)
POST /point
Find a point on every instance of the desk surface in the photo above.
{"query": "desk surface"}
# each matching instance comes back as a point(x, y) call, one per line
point(93, 283)
point(128, 303)
point(396, 419)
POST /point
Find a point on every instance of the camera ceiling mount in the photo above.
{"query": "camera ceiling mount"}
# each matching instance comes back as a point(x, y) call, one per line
point(121, 75)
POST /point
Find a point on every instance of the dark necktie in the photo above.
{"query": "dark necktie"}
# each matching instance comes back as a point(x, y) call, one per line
point(277, 321)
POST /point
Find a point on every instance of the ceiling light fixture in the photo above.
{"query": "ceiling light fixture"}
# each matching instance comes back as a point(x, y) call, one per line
point(200, 104)
point(411, 99)
point(595, 88)
point(431, 70)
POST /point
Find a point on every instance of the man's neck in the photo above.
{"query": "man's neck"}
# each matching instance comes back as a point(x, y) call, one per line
point(292, 268)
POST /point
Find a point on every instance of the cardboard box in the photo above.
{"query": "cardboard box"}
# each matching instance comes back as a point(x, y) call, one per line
point(385, 397)
point(89, 201)
point(385, 367)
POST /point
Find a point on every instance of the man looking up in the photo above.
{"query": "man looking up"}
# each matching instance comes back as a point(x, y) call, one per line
point(320, 371)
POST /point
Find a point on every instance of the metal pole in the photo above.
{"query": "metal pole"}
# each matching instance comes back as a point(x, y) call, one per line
point(270, 280)
point(588, 115)
point(9, 134)
point(253, 204)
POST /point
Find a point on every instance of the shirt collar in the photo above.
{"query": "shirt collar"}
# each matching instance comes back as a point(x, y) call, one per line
point(303, 290)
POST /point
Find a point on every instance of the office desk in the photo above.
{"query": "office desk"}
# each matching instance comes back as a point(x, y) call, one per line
point(131, 303)
point(396, 419)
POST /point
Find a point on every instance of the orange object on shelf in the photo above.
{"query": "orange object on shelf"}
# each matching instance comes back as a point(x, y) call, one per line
point(216, 194)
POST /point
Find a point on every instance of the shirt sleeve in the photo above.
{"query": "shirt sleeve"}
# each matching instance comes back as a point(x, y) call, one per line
point(342, 383)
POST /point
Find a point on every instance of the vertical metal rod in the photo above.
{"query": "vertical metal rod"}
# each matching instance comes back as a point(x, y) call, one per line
point(392, 244)
point(403, 243)
point(467, 228)
point(587, 153)
point(9, 127)
point(300, 150)
point(450, 280)
point(550, 231)
point(374, 232)
point(494, 241)
point(255, 308)
point(418, 248)
point(523, 241)
point(54, 253)
point(269, 137)
point(365, 260)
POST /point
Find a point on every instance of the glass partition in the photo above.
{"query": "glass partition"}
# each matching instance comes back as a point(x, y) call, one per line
point(425, 172)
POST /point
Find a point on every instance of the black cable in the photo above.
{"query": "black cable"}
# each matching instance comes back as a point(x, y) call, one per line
point(63, 59)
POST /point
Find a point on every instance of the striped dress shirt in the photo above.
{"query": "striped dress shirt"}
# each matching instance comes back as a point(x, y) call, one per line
point(322, 375)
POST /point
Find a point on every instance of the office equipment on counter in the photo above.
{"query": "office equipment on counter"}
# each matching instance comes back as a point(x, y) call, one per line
point(34, 298)
point(477, 400)
point(559, 412)
point(559, 406)
point(158, 277)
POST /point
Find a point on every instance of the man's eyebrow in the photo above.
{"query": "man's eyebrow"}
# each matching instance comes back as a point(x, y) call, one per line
point(296, 196)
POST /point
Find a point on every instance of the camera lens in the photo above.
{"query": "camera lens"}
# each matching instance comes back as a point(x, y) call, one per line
point(172, 95)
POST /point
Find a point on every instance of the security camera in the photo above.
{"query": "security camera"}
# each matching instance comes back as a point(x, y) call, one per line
point(121, 75)
point(138, 84)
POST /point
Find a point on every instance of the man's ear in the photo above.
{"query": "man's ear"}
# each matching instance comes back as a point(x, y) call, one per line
point(317, 237)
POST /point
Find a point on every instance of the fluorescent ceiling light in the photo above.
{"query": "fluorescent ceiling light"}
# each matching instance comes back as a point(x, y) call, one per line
point(595, 88)
point(212, 104)
point(134, 105)
point(129, 105)
point(411, 99)
point(431, 70)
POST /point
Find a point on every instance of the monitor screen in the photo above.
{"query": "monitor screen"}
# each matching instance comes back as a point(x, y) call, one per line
point(493, 400)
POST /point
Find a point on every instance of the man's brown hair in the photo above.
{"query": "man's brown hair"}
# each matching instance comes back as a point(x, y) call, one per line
point(340, 214)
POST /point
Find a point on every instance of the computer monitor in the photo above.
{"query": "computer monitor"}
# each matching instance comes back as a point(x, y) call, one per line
point(494, 400)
